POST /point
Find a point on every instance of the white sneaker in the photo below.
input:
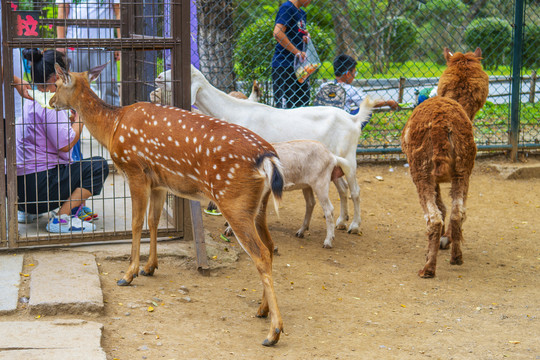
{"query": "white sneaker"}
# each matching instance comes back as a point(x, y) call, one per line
point(66, 224)
point(24, 218)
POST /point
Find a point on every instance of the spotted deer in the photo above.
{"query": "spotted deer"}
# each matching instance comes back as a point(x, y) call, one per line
point(163, 148)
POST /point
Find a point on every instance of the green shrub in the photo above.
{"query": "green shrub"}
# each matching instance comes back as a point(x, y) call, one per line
point(531, 43)
point(403, 39)
point(494, 37)
point(256, 44)
point(443, 11)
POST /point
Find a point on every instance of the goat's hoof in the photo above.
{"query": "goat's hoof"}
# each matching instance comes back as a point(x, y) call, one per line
point(456, 261)
point(353, 230)
point(299, 234)
point(327, 246)
point(341, 226)
point(445, 243)
point(426, 274)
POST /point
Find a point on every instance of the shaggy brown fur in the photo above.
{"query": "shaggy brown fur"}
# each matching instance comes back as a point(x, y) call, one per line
point(439, 143)
point(464, 80)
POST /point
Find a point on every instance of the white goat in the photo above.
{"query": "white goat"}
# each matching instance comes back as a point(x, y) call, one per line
point(309, 166)
point(335, 128)
point(163, 93)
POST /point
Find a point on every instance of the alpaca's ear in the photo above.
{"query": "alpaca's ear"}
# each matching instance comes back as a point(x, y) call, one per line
point(478, 52)
point(447, 54)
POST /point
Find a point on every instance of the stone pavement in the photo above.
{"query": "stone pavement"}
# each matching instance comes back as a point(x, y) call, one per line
point(66, 282)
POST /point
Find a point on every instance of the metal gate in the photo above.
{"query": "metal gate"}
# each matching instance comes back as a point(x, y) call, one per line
point(151, 37)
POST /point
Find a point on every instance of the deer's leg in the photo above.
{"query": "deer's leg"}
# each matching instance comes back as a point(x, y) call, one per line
point(428, 200)
point(341, 187)
point(264, 234)
point(260, 252)
point(310, 204)
point(157, 199)
point(457, 217)
point(322, 194)
point(140, 190)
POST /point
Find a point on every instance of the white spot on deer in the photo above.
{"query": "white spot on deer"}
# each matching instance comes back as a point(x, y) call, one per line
point(121, 138)
point(230, 176)
point(197, 171)
point(153, 117)
point(202, 126)
point(231, 170)
point(212, 138)
point(134, 148)
point(194, 140)
point(214, 167)
point(218, 177)
point(193, 177)
point(224, 137)
point(176, 143)
point(187, 139)
point(207, 152)
point(231, 142)
point(219, 148)
point(168, 123)
point(155, 123)
point(141, 139)
point(227, 182)
point(237, 166)
point(184, 126)
point(169, 138)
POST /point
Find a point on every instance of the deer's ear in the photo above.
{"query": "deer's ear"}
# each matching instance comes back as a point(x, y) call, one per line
point(63, 74)
point(93, 74)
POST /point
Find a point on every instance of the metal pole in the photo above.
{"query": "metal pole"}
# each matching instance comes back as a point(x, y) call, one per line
point(516, 78)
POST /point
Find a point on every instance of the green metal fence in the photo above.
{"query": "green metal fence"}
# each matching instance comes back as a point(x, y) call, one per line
point(398, 45)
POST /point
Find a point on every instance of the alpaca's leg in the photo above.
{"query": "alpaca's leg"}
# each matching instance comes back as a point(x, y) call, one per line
point(445, 239)
point(457, 217)
point(434, 220)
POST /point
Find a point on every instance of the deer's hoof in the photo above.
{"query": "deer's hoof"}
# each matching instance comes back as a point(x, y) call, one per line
point(426, 274)
point(273, 341)
point(149, 273)
point(123, 282)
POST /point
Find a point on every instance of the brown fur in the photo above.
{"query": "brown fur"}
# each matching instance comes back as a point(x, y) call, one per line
point(439, 143)
point(162, 149)
point(464, 80)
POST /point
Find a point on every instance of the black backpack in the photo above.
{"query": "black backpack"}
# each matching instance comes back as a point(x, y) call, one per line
point(331, 95)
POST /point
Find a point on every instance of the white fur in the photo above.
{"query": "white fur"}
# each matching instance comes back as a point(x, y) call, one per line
point(335, 128)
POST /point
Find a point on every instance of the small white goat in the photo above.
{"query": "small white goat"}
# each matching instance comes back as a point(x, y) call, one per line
point(163, 93)
point(335, 128)
point(309, 166)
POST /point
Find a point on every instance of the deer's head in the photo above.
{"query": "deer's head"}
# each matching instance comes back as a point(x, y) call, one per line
point(69, 85)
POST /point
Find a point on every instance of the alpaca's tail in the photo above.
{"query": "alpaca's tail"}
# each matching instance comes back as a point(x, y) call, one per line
point(441, 140)
point(364, 114)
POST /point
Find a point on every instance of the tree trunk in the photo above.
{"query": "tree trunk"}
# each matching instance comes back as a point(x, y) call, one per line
point(215, 42)
point(345, 34)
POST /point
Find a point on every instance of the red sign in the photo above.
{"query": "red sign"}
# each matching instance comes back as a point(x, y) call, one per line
point(27, 23)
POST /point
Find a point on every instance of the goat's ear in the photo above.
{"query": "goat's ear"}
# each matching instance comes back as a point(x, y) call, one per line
point(64, 75)
point(447, 54)
point(93, 74)
point(478, 52)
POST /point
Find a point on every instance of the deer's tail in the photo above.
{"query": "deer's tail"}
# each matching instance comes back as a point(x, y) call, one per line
point(271, 168)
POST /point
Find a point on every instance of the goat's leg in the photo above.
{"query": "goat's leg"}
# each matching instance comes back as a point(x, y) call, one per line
point(157, 199)
point(434, 227)
point(139, 190)
point(322, 194)
point(457, 218)
point(355, 195)
point(248, 237)
point(341, 186)
point(310, 204)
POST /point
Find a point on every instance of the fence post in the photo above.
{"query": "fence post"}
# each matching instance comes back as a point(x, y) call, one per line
point(533, 87)
point(516, 78)
point(401, 89)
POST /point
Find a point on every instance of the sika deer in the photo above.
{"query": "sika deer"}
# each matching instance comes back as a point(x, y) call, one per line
point(162, 148)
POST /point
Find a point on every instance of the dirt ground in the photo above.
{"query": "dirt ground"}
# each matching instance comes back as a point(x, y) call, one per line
point(360, 300)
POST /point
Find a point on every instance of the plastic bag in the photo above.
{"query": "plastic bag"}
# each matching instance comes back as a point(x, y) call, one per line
point(311, 63)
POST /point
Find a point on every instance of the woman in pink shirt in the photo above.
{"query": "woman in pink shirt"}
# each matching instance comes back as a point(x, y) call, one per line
point(47, 178)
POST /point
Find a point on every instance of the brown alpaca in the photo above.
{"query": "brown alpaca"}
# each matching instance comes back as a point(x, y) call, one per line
point(464, 80)
point(439, 143)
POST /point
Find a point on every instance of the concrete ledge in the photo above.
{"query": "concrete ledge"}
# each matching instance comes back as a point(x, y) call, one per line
point(10, 278)
point(517, 171)
point(65, 282)
point(59, 340)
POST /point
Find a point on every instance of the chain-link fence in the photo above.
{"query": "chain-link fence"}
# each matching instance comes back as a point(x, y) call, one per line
point(398, 46)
